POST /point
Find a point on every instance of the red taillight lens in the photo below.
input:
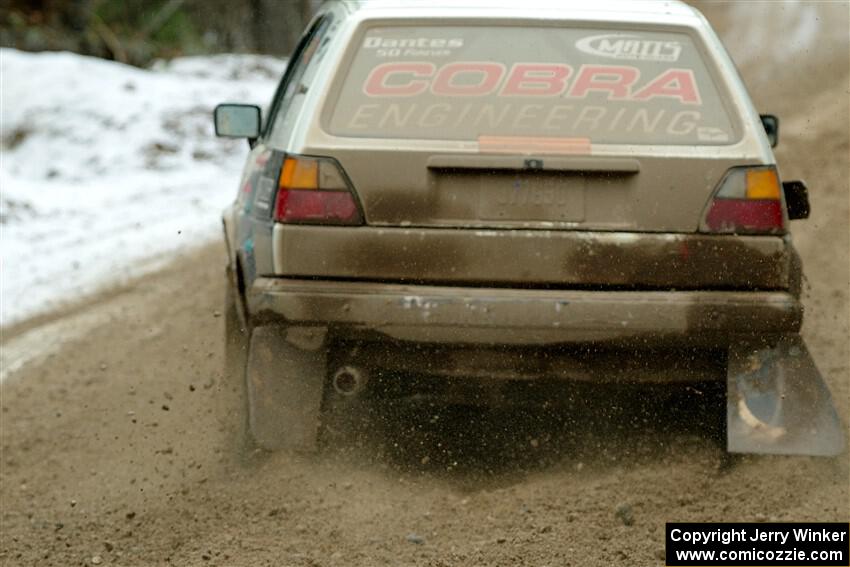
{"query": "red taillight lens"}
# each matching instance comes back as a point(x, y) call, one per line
point(336, 207)
point(741, 215)
point(748, 201)
point(315, 191)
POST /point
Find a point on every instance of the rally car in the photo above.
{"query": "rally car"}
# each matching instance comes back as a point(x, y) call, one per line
point(480, 194)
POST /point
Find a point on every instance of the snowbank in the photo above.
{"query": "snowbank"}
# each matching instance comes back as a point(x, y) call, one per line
point(107, 168)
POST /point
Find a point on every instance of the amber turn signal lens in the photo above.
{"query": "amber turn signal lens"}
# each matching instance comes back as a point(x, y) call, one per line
point(762, 184)
point(299, 173)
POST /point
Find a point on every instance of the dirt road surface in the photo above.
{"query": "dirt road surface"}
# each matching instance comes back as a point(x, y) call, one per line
point(117, 449)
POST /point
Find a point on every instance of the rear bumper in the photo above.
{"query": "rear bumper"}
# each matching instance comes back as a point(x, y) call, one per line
point(466, 315)
point(512, 258)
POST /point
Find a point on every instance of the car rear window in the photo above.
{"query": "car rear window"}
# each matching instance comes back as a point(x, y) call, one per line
point(486, 82)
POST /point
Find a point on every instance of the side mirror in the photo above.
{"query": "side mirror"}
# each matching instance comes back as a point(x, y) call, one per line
point(771, 127)
point(237, 121)
point(796, 199)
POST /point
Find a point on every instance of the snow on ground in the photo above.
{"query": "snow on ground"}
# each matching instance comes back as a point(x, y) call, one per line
point(106, 169)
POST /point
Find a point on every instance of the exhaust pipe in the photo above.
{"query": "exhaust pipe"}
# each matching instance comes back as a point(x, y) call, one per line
point(349, 380)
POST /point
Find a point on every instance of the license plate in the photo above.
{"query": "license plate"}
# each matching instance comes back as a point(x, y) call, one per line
point(540, 196)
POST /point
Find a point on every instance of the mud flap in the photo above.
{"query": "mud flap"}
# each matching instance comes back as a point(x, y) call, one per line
point(778, 403)
point(285, 378)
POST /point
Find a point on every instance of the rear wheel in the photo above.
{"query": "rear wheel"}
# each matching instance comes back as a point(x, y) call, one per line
point(285, 379)
point(236, 342)
point(275, 377)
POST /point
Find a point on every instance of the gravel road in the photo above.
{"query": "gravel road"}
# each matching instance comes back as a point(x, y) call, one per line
point(117, 446)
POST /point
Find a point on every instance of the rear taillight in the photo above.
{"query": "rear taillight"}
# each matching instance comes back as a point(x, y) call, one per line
point(748, 201)
point(315, 191)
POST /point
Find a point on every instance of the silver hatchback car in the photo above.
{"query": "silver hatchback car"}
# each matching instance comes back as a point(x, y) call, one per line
point(485, 193)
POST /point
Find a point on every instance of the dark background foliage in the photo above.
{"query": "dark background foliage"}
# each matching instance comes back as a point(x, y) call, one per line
point(137, 31)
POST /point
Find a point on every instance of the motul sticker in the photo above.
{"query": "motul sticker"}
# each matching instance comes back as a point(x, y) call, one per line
point(629, 46)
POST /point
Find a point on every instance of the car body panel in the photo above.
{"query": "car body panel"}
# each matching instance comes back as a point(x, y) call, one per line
point(434, 216)
point(410, 192)
point(413, 189)
point(525, 258)
point(398, 185)
point(487, 315)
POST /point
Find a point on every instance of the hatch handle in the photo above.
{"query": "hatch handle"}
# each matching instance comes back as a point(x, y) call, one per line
point(525, 163)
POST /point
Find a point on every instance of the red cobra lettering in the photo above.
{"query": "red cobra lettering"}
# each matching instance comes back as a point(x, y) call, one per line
point(491, 74)
point(616, 80)
point(376, 83)
point(536, 79)
point(676, 83)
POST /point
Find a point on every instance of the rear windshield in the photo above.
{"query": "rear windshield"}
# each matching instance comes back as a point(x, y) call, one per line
point(470, 82)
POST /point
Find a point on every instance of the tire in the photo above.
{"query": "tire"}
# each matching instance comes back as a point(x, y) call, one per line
point(285, 382)
point(274, 378)
point(236, 342)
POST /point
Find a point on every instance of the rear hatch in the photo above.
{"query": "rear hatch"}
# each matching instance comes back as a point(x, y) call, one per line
point(542, 127)
point(531, 156)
